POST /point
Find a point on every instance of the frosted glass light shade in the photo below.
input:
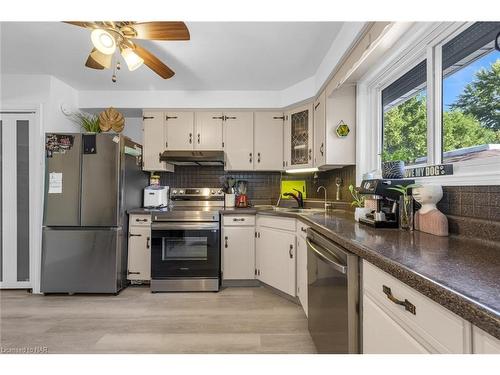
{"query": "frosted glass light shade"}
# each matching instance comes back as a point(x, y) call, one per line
point(103, 41)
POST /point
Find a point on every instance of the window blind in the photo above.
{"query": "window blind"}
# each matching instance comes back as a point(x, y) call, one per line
point(469, 41)
point(406, 83)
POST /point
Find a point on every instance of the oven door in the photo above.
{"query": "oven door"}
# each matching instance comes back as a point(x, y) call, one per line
point(184, 250)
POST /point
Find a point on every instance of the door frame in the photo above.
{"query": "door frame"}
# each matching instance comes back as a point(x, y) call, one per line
point(35, 194)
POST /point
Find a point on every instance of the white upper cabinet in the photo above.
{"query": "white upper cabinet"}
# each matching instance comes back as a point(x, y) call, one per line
point(268, 141)
point(319, 130)
point(208, 131)
point(154, 142)
point(287, 140)
point(179, 130)
point(299, 141)
point(238, 141)
point(340, 109)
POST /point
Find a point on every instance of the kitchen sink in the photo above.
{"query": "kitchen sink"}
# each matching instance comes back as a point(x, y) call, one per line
point(298, 210)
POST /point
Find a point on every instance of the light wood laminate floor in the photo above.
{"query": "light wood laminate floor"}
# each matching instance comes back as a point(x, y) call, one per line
point(235, 320)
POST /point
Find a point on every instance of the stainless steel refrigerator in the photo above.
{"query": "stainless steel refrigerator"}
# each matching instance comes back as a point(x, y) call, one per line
point(91, 180)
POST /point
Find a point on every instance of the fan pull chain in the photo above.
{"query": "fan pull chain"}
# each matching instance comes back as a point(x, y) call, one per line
point(115, 68)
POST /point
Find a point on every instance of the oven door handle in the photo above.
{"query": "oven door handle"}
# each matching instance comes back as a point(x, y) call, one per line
point(184, 226)
point(339, 267)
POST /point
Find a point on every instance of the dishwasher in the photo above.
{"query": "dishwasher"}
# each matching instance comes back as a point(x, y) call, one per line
point(333, 295)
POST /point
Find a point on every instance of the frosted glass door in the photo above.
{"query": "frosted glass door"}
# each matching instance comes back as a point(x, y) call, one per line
point(16, 164)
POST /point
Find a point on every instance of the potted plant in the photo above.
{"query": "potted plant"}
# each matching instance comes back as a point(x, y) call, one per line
point(88, 122)
point(359, 203)
point(405, 206)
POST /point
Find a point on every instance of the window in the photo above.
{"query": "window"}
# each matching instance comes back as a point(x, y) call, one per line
point(404, 120)
point(471, 94)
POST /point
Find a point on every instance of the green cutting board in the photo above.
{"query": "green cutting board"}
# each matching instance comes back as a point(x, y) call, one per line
point(288, 186)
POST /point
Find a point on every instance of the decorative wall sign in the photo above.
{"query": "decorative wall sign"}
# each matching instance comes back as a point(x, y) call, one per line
point(342, 129)
point(429, 171)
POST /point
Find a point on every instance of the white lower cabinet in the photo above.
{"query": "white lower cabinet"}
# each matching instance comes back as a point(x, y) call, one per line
point(276, 258)
point(382, 335)
point(238, 252)
point(484, 343)
point(302, 265)
point(409, 318)
point(139, 248)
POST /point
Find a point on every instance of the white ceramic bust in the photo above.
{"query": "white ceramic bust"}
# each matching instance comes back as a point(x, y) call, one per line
point(429, 219)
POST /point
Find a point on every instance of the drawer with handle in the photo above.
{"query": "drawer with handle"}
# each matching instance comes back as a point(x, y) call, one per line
point(441, 330)
point(239, 220)
point(141, 220)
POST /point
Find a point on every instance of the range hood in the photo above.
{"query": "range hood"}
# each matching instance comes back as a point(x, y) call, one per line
point(202, 158)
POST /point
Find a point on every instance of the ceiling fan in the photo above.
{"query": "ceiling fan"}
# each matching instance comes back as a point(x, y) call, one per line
point(110, 36)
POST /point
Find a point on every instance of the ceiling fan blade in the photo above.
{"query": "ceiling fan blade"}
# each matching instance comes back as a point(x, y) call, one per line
point(153, 62)
point(98, 60)
point(85, 24)
point(161, 30)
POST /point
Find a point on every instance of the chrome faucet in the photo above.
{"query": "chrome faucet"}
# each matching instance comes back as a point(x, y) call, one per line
point(324, 188)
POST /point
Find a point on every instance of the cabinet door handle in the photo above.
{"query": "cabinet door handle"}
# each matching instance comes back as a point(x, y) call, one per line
point(225, 242)
point(133, 273)
point(167, 117)
point(190, 138)
point(229, 118)
point(321, 148)
point(147, 243)
point(303, 229)
point(198, 138)
point(317, 105)
point(236, 219)
point(141, 220)
point(290, 252)
point(134, 235)
point(218, 117)
point(147, 118)
point(250, 156)
point(310, 153)
point(166, 144)
point(258, 157)
point(407, 304)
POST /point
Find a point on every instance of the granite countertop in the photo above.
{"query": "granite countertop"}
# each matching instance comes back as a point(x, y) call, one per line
point(459, 273)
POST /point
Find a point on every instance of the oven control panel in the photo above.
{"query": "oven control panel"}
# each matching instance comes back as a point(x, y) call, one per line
point(196, 193)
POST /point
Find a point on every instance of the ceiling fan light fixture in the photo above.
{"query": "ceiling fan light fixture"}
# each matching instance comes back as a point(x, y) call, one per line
point(103, 41)
point(131, 58)
point(102, 58)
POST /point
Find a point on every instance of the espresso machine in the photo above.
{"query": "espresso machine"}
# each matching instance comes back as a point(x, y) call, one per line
point(382, 202)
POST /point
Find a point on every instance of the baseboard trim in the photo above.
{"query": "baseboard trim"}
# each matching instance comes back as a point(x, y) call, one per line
point(241, 283)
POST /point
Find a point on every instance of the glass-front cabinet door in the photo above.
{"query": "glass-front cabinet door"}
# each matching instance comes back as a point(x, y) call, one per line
point(301, 137)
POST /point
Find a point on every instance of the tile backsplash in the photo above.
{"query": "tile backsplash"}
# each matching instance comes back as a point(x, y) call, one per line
point(263, 187)
point(480, 202)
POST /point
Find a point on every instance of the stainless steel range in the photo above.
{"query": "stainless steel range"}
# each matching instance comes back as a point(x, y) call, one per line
point(185, 246)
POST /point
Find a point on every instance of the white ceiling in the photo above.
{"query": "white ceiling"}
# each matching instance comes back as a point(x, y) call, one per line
point(219, 56)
